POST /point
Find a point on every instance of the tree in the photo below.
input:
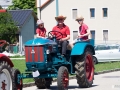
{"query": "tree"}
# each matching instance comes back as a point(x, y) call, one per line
point(0, 7)
point(23, 4)
point(8, 29)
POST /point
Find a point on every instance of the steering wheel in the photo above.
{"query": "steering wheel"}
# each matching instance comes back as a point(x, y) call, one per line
point(57, 36)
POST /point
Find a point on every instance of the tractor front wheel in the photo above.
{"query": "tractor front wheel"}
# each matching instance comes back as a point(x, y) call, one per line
point(5, 76)
point(16, 85)
point(63, 78)
point(85, 69)
point(43, 83)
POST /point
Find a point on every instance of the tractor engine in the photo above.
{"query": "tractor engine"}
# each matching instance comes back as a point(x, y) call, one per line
point(38, 54)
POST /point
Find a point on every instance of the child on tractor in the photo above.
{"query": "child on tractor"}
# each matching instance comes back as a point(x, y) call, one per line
point(84, 32)
point(40, 31)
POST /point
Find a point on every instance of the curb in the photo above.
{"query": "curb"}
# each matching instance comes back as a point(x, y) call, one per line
point(73, 77)
point(107, 71)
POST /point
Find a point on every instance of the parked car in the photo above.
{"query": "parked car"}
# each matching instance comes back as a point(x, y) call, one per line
point(106, 52)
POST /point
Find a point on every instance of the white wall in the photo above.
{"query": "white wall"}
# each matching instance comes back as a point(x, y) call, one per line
point(98, 23)
point(48, 16)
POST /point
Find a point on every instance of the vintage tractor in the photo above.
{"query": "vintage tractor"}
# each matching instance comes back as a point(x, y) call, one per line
point(8, 72)
point(45, 62)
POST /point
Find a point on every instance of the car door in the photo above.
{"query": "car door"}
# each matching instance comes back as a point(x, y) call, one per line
point(114, 53)
point(101, 53)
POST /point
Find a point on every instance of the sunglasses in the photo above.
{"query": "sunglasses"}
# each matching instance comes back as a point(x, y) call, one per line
point(41, 25)
point(60, 19)
point(79, 20)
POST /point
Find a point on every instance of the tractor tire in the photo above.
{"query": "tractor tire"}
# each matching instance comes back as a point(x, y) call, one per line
point(48, 82)
point(95, 60)
point(63, 78)
point(16, 85)
point(85, 69)
point(43, 83)
point(5, 76)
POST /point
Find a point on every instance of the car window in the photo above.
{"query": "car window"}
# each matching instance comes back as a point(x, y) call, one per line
point(114, 47)
point(102, 47)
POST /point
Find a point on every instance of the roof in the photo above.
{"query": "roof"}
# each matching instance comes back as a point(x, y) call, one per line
point(43, 3)
point(20, 16)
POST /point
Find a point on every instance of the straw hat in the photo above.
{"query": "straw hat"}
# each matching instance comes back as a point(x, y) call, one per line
point(60, 17)
point(79, 18)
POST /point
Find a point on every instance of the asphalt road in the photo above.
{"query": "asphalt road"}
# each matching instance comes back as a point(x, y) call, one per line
point(108, 81)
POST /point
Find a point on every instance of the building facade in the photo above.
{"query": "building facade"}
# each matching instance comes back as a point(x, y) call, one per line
point(102, 17)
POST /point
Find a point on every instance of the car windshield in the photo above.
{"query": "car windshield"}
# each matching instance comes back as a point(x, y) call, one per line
point(106, 47)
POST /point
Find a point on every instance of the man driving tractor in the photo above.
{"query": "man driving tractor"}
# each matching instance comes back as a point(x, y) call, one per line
point(64, 30)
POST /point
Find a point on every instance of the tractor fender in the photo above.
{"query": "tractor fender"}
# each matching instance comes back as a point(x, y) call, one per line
point(79, 48)
point(7, 59)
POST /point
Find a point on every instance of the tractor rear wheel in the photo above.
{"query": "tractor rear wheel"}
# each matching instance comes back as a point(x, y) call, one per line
point(43, 83)
point(63, 78)
point(16, 85)
point(85, 69)
point(5, 76)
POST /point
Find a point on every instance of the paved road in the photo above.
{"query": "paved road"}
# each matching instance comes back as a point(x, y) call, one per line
point(109, 81)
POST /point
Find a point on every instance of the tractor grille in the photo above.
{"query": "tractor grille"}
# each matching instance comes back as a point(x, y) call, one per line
point(34, 53)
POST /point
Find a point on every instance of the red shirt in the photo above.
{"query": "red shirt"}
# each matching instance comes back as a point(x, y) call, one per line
point(41, 32)
point(83, 30)
point(64, 30)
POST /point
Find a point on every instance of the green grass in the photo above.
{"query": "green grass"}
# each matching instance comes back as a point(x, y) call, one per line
point(106, 66)
point(17, 56)
point(20, 64)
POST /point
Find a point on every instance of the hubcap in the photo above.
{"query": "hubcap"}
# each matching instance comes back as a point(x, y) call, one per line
point(65, 79)
point(5, 80)
point(89, 67)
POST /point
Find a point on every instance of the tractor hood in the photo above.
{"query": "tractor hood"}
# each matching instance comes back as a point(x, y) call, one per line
point(39, 41)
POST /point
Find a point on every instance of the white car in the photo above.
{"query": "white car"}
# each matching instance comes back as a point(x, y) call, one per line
point(106, 53)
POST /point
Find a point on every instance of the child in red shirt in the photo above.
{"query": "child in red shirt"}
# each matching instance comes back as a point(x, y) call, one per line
point(84, 32)
point(40, 31)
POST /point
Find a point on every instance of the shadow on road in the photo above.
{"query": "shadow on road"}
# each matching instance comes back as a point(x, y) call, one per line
point(69, 88)
point(111, 76)
point(55, 87)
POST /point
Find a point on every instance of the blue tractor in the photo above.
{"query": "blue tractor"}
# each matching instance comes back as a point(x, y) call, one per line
point(45, 62)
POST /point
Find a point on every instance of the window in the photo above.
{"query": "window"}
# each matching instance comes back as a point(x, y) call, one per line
point(74, 13)
point(92, 12)
point(75, 34)
point(92, 34)
point(102, 47)
point(105, 35)
point(105, 12)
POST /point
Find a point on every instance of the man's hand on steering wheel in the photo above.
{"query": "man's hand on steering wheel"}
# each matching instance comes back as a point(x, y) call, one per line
point(56, 36)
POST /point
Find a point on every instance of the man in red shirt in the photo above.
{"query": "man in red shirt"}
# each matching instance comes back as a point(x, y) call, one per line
point(84, 32)
point(40, 31)
point(64, 30)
